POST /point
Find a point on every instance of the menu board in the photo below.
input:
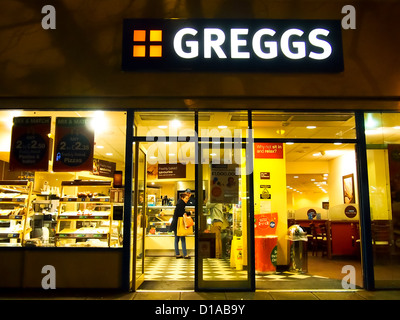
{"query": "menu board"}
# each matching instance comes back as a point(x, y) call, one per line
point(30, 144)
point(73, 147)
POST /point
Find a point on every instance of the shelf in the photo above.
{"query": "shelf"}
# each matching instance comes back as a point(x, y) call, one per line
point(8, 233)
point(99, 215)
point(102, 220)
point(13, 217)
point(84, 200)
point(88, 183)
point(84, 233)
point(168, 207)
point(18, 217)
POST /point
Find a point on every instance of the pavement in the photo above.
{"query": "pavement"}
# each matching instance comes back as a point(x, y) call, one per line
point(189, 295)
point(278, 304)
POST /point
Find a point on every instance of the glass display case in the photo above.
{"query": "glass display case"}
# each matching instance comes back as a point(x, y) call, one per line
point(85, 219)
point(15, 212)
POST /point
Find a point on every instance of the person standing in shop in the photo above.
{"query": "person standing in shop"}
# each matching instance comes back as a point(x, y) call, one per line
point(179, 212)
point(217, 219)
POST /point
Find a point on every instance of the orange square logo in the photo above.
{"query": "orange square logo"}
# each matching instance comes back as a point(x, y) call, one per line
point(139, 51)
point(155, 35)
point(139, 35)
point(143, 39)
point(155, 51)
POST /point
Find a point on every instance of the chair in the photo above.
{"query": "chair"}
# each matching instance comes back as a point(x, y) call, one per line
point(355, 238)
point(319, 239)
point(381, 237)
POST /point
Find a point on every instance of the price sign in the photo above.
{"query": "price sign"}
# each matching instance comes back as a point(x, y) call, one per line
point(30, 143)
point(73, 145)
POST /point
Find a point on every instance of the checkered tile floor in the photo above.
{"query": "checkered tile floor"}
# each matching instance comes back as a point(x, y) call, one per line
point(170, 268)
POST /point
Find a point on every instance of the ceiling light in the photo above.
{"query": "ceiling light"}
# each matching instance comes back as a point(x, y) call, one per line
point(295, 177)
point(289, 142)
point(337, 143)
point(222, 127)
point(98, 122)
point(396, 127)
point(316, 154)
point(162, 127)
point(371, 123)
point(109, 154)
point(311, 127)
point(175, 123)
point(100, 147)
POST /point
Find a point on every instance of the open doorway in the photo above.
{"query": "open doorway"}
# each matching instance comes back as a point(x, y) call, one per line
point(306, 216)
point(166, 179)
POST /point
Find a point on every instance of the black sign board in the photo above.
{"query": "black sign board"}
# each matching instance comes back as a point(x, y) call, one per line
point(232, 45)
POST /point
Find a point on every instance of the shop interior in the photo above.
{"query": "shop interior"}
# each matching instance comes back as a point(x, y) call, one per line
point(68, 209)
point(304, 186)
point(309, 185)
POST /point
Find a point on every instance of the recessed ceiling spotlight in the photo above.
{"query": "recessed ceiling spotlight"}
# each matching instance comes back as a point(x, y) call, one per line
point(311, 127)
point(222, 127)
point(175, 123)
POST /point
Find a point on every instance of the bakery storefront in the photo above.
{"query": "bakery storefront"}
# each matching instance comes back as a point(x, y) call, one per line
point(283, 131)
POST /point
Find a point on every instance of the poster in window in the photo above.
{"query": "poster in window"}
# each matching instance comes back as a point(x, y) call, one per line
point(73, 146)
point(224, 182)
point(30, 144)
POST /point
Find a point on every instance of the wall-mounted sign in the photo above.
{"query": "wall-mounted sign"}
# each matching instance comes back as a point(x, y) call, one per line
point(30, 143)
point(232, 45)
point(171, 171)
point(268, 150)
point(73, 147)
point(265, 175)
point(103, 168)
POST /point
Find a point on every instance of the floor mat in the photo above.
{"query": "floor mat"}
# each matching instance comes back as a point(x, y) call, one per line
point(169, 273)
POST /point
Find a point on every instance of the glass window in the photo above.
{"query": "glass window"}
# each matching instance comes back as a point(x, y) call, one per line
point(224, 259)
point(303, 125)
point(164, 124)
point(70, 205)
point(383, 150)
point(309, 186)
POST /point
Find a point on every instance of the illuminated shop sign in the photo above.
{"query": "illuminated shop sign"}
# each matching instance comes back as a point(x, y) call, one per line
point(232, 45)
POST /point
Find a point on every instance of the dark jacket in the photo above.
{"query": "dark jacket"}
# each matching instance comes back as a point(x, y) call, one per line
point(179, 211)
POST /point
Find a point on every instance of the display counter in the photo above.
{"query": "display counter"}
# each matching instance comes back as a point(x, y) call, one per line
point(159, 239)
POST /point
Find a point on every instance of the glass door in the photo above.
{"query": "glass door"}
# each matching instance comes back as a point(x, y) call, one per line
point(139, 216)
point(224, 250)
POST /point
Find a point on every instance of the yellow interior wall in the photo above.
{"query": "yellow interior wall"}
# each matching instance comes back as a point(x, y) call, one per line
point(378, 179)
point(277, 169)
point(339, 167)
